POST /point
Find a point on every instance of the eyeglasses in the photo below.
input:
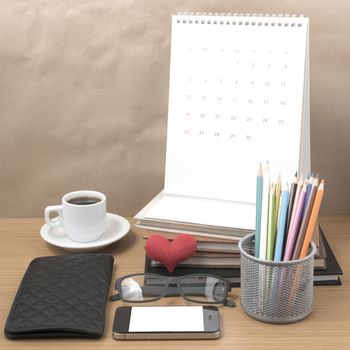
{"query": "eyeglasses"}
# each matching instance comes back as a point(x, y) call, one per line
point(146, 287)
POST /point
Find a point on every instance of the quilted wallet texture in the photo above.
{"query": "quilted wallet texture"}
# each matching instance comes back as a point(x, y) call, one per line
point(62, 296)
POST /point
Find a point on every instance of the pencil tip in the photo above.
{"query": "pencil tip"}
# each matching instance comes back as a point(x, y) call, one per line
point(259, 170)
point(266, 167)
point(321, 186)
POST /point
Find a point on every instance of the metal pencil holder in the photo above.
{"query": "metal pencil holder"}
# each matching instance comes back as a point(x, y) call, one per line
point(275, 292)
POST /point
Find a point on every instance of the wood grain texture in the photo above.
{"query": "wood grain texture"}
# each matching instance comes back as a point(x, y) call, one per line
point(326, 327)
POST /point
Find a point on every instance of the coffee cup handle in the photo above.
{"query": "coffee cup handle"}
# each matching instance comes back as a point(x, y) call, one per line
point(53, 209)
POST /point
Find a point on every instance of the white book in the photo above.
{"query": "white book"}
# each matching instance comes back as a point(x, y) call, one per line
point(199, 261)
point(238, 96)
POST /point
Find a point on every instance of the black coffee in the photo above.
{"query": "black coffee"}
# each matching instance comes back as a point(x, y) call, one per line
point(84, 200)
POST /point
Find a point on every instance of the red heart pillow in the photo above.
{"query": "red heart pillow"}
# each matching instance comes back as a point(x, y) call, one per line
point(171, 253)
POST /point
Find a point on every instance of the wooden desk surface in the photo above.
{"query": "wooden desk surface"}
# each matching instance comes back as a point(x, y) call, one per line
point(327, 327)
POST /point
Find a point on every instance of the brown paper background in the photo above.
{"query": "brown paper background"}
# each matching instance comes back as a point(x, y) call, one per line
point(84, 89)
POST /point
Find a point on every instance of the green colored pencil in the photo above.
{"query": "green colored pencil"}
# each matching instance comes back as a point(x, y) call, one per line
point(271, 231)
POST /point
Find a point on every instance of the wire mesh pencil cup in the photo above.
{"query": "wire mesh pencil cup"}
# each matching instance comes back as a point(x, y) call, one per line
point(275, 292)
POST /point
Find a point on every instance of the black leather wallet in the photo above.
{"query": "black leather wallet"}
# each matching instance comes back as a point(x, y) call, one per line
point(62, 296)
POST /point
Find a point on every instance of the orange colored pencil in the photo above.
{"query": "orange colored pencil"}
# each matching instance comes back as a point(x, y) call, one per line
point(312, 221)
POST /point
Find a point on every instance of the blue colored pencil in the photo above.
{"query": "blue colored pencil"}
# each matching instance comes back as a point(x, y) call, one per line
point(259, 194)
point(282, 224)
point(264, 212)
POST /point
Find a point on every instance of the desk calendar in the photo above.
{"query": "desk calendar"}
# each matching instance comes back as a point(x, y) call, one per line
point(239, 95)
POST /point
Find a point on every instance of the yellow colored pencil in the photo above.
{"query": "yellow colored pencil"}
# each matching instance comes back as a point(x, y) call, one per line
point(278, 197)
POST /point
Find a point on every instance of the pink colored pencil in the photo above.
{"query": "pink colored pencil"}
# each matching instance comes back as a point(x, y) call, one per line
point(294, 227)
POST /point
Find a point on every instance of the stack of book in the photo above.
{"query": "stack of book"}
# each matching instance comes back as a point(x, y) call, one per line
point(198, 216)
point(222, 258)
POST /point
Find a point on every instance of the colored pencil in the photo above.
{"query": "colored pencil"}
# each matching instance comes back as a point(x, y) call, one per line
point(308, 191)
point(296, 200)
point(271, 231)
point(294, 205)
point(295, 223)
point(293, 188)
point(305, 221)
point(281, 224)
point(312, 221)
point(259, 195)
point(278, 198)
point(264, 212)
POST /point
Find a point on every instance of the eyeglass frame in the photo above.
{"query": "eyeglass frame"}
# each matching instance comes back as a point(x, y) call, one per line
point(172, 279)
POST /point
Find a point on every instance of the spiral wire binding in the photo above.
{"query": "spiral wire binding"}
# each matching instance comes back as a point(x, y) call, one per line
point(240, 19)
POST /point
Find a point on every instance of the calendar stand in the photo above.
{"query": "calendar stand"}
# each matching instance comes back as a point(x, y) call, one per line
point(239, 95)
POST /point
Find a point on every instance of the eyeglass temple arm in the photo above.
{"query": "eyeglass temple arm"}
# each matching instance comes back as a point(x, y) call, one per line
point(115, 297)
point(229, 302)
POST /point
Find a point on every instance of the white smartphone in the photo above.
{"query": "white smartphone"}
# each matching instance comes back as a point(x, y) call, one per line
point(166, 322)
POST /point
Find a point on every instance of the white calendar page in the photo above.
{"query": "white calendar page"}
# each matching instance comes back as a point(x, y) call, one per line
point(237, 96)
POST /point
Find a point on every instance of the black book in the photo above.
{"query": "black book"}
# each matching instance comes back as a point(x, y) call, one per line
point(328, 276)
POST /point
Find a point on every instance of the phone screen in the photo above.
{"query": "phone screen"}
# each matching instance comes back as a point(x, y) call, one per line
point(167, 319)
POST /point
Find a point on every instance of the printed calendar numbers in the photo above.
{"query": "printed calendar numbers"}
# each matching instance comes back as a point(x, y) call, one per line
point(238, 91)
point(210, 93)
point(243, 94)
point(187, 132)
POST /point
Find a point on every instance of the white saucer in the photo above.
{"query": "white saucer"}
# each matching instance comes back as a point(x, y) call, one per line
point(117, 228)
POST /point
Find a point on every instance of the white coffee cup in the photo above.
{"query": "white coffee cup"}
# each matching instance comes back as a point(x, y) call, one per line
point(82, 215)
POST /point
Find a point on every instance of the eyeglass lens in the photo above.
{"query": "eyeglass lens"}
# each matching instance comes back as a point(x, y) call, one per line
point(203, 288)
point(142, 288)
